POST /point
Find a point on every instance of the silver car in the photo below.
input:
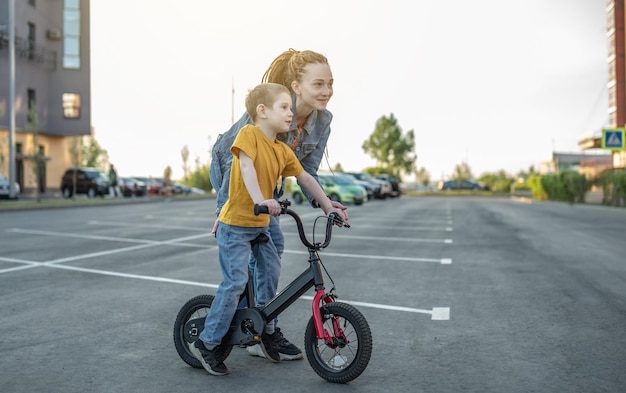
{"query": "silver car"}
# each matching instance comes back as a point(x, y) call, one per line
point(5, 189)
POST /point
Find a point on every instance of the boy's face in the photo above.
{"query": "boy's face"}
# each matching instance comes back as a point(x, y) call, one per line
point(279, 115)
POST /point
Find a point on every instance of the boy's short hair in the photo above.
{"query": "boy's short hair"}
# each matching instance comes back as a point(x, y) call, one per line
point(266, 94)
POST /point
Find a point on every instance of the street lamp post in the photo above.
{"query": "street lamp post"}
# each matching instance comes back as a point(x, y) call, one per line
point(11, 99)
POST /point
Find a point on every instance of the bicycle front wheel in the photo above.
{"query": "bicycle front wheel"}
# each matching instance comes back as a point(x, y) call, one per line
point(348, 355)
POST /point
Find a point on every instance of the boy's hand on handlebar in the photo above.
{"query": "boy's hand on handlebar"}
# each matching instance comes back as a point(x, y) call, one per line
point(342, 215)
point(273, 207)
point(343, 208)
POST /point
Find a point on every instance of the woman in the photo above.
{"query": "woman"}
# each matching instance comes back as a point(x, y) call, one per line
point(309, 79)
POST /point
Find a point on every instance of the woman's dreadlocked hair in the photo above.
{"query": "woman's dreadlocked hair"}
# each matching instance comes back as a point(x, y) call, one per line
point(289, 66)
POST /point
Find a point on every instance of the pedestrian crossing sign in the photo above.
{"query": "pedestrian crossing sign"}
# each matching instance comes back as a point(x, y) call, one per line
point(613, 139)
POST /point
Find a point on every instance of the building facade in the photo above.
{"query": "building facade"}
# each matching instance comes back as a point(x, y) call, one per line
point(617, 71)
point(52, 88)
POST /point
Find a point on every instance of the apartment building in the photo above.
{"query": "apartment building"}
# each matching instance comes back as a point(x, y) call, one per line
point(617, 72)
point(616, 15)
point(52, 80)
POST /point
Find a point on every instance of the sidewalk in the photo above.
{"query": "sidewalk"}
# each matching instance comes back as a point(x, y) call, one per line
point(53, 199)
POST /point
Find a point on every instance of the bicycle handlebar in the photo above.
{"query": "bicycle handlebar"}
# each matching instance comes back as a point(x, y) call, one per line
point(333, 219)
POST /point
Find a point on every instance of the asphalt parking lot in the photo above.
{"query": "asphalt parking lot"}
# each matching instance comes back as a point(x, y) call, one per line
point(461, 294)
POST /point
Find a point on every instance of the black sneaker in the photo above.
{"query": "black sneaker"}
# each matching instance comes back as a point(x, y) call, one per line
point(287, 350)
point(269, 347)
point(208, 358)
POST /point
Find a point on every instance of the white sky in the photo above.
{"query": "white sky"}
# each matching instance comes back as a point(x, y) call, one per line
point(497, 83)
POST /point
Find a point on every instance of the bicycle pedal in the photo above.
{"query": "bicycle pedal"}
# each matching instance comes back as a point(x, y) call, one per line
point(249, 341)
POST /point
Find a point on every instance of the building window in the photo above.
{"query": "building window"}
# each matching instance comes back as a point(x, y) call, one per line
point(30, 42)
point(71, 34)
point(71, 105)
point(30, 96)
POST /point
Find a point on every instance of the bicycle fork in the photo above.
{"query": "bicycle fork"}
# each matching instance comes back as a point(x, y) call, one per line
point(338, 337)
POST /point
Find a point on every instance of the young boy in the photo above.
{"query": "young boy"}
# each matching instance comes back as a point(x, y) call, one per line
point(259, 160)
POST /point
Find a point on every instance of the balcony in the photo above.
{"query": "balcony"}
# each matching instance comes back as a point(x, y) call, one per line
point(30, 51)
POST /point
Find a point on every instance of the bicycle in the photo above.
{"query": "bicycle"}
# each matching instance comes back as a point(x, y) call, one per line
point(337, 340)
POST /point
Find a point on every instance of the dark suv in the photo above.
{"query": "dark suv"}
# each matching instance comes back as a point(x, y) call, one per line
point(395, 185)
point(91, 181)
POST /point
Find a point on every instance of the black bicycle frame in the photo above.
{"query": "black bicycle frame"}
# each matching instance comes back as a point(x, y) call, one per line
point(312, 277)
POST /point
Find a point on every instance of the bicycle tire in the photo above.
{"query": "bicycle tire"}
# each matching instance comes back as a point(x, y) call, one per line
point(197, 307)
point(346, 361)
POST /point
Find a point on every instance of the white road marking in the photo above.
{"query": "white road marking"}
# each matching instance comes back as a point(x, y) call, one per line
point(437, 313)
point(405, 228)
point(389, 239)
point(443, 261)
point(155, 226)
point(177, 242)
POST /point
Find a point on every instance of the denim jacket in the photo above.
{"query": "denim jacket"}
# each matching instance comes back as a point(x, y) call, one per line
point(309, 150)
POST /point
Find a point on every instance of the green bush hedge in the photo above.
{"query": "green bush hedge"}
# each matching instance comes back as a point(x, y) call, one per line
point(613, 183)
point(534, 184)
point(566, 186)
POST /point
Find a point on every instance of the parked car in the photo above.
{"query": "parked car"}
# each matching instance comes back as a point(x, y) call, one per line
point(5, 188)
point(373, 188)
point(340, 193)
point(395, 185)
point(180, 188)
point(153, 184)
point(461, 185)
point(132, 187)
point(90, 181)
point(382, 188)
point(347, 184)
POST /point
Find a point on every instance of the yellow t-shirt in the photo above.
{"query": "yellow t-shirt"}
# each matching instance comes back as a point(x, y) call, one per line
point(272, 159)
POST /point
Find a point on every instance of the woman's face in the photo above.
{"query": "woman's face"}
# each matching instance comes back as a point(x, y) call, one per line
point(315, 88)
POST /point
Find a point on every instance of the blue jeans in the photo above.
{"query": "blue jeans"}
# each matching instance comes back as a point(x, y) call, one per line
point(279, 241)
point(234, 256)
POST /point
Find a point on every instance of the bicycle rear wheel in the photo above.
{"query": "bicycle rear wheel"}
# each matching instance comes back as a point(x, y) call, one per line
point(188, 325)
point(347, 357)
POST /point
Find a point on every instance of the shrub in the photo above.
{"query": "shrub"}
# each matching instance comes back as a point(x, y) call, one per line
point(567, 186)
point(613, 183)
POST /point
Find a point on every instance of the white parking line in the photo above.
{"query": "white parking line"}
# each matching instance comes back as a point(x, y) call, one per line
point(408, 228)
point(437, 313)
point(443, 261)
point(387, 239)
point(177, 242)
point(155, 226)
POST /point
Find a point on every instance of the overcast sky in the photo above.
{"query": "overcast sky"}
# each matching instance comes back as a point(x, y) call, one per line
point(499, 84)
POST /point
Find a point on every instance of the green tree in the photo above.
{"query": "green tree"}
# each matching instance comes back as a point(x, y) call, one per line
point(200, 177)
point(423, 176)
point(75, 150)
point(462, 171)
point(184, 154)
point(393, 151)
point(167, 179)
point(498, 181)
point(37, 156)
point(92, 154)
